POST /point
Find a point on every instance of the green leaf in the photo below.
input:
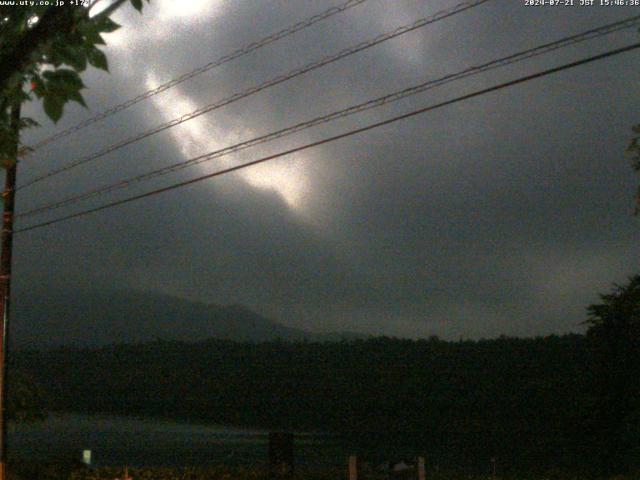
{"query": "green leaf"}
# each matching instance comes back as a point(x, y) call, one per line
point(62, 83)
point(106, 25)
point(91, 33)
point(98, 59)
point(54, 59)
point(137, 4)
point(64, 79)
point(74, 56)
point(53, 106)
point(77, 97)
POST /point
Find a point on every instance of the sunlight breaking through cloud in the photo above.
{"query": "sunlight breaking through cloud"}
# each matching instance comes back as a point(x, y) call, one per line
point(169, 16)
point(173, 10)
point(201, 135)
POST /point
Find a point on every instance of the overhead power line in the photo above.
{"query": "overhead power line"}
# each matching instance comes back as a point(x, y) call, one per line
point(252, 47)
point(461, 7)
point(349, 133)
point(422, 87)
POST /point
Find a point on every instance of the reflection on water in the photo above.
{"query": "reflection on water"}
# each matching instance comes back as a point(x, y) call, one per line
point(136, 442)
point(142, 441)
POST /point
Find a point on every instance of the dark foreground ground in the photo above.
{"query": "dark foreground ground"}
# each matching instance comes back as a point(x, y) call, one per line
point(74, 471)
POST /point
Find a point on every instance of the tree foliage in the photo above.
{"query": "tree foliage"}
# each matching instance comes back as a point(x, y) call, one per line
point(634, 149)
point(617, 318)
point(25, 400)
point(43, 51)
point(614, 331)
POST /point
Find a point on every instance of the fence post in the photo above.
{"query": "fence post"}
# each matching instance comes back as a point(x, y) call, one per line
point(353, 467)
point(421, 472)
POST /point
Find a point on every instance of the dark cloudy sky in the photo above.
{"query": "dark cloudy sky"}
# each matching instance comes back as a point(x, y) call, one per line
point(503, 214)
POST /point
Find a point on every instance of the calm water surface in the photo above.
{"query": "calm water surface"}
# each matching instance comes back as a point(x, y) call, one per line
point(117, 440)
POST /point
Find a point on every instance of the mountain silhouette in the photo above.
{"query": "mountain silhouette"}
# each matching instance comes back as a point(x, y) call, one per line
point(96, 318)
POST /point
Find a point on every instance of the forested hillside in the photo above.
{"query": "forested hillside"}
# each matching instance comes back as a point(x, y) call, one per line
point(521, 399)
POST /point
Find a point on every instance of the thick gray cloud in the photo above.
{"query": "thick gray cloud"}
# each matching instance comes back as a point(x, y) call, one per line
point(503, 214)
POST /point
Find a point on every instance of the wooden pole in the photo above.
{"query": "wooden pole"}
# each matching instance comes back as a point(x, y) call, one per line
point(421, 470)
point(353, 467)
point(8, 198)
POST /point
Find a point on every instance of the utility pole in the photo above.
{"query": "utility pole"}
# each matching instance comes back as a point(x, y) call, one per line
point(8, 198)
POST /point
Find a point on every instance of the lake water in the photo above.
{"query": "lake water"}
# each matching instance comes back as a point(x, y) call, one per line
point(131, 441)
point(138, 442)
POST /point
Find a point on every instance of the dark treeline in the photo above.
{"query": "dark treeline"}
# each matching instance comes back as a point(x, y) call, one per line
point(516, 398)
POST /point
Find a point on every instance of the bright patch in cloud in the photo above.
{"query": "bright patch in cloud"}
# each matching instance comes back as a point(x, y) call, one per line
point(160, 21)
point(179, 9)
point(202, 135)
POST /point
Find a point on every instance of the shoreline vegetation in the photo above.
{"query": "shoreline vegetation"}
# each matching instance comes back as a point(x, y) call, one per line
point(533, 403)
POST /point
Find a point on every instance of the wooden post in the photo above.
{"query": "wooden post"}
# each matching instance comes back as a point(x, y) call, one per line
point(421, 471)
point(353, 467)
point(5, 285)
